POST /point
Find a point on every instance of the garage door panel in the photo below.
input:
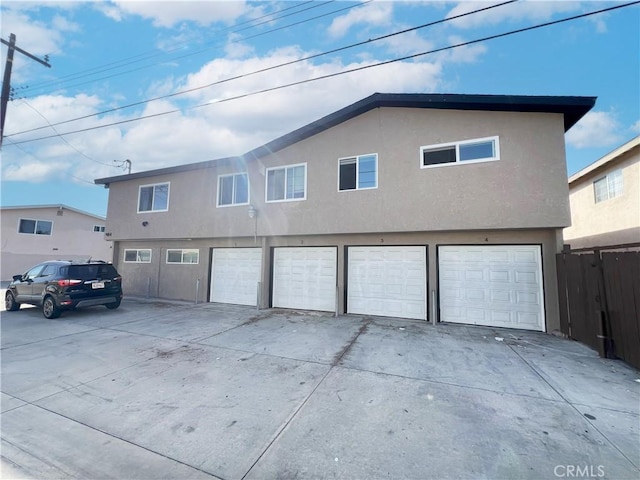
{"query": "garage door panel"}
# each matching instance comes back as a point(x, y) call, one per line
point(504, 289)
point(235, 273)
point(387, 281)
point(305, 278)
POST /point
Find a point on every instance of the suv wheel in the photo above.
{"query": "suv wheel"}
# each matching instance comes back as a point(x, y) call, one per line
point(49, 308)
point(10, 303)
point(113, 306)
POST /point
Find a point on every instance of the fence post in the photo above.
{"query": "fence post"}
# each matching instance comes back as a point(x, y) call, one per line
point(259, 296)
point(197, 289)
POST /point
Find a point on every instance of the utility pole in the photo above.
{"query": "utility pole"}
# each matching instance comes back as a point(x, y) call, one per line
point(6, 82)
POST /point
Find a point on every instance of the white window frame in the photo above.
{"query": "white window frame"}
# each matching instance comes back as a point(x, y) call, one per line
point(232, 204)
point(457, 145)
point(168, 184)
point(610, 180)
point(285, 168)
point(182, 253)
point(98, 229)
point(137, 250)
point(35, 227)
point(357, 158)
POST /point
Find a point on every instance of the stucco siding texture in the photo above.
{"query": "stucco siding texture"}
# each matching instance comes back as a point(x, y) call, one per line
point(192, 281)
point(525, 188)
point(72, 238)
point(609, 222)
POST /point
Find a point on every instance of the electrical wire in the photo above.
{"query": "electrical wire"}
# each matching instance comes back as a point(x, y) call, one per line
point(273, 67)
point(344, 72)
point(197, 52)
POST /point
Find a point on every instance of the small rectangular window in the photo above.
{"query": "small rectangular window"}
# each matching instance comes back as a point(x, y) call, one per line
point(358, 173)
point(98, 228)
point(233, 189)
point(190, 256)
point(137, 255)
point(609, 186)
point(468, 151)
point(153, 198)
point(35, 227)
point(287, 183)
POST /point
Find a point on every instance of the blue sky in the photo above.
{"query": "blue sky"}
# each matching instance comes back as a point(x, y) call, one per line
point(112, 54)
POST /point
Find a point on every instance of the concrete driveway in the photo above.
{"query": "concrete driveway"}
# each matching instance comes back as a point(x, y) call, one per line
point(165, 390)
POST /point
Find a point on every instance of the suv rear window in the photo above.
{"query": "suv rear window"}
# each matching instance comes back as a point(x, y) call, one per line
point(90, 272)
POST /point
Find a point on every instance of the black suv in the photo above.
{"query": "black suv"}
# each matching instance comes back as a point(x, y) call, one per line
point(64, 285)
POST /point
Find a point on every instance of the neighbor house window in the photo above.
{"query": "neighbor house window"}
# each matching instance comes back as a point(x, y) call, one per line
point(98, 228)
point(137, 255)
point(183, 256)
point(287, 183)
point(233, 189)
point(153, 198)
point(358, 172)
point(35, 227)
point(467, 151)
point(609, 186)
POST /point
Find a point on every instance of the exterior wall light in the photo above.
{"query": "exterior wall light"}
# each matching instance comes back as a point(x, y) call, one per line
point(252, 211)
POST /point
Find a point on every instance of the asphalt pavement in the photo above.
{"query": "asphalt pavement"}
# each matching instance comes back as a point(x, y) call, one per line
point(182, 391)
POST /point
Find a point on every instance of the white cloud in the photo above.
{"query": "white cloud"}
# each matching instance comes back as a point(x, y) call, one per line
point(526, 10)
point(372, 14)
point(168, 14)
point(595, 129)
point(635, 128)
point(33, 171)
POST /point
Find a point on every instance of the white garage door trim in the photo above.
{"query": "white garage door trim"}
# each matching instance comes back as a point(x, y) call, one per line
point(389, 281)
point(235, 273)
point(492, 285)
point(305, 278)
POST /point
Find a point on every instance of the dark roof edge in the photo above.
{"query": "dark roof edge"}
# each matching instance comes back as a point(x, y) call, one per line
point(573, 109)
point(161, 171)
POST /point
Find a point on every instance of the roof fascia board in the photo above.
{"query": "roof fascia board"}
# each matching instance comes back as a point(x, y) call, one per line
point(605, 160)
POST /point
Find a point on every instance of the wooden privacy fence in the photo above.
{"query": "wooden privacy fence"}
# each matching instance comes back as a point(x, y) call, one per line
point(599, 297)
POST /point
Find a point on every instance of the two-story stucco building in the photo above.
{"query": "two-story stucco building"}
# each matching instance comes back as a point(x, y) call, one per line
point(36, 233)
point(435, 207)
point(605, 200)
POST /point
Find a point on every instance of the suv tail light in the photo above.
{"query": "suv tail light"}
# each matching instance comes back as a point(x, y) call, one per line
point(68, 283)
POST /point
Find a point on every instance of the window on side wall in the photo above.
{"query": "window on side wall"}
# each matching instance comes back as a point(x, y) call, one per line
point(98, 228)
point(287, 183)
point(233, 189)
point(609, 186)
point(358, 173)
point(467, 151)
point(153, 198)
point(142, 255)
point(183, 256)
point(35, 227)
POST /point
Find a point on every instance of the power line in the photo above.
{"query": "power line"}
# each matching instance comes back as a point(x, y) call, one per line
point(45, 85)
point(344, 72)
point(273, 67)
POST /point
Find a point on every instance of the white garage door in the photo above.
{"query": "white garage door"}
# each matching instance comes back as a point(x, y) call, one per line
point(235, 273)
point(388, 281)
point(499, 286)
point(305, 278)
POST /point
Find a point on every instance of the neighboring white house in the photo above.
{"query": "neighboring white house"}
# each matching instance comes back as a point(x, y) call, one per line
point(33, 234)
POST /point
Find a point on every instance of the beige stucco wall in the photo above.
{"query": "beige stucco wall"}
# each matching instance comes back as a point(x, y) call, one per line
point(72, 238)
point(614, 221)
point(157, 279)
point(526, 188)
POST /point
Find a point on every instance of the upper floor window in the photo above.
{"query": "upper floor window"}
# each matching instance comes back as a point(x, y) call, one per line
point(287, 183)
point(467, 151)
point(137, 255)
point(233, 189)
point(98, 228)
point(153, 198)
point(358, 172)
point(609, 186)
point(183, 256)
point(35, 227)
